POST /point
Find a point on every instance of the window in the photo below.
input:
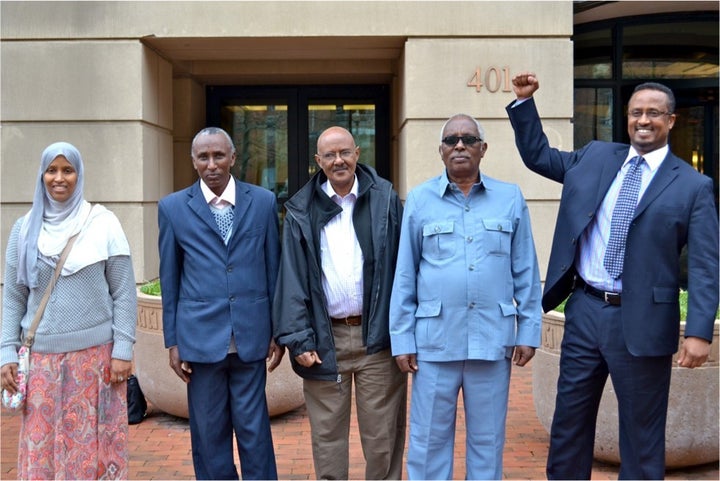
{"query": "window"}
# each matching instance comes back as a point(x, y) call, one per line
point(679, 50)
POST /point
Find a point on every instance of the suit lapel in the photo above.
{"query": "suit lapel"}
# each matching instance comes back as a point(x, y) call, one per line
point(198, 205)
point(243, 199)
point(667, 172)
point(608, 174)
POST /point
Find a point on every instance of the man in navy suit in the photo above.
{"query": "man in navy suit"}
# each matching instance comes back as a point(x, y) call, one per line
point(622, 320)
point(219, 256)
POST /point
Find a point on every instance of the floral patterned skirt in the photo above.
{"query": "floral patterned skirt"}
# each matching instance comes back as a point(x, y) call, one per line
point(74, 425)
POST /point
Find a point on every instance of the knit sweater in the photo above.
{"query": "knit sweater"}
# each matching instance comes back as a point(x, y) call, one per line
point(93, 306)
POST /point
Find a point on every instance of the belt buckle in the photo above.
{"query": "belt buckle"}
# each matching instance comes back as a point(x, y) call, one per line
point(612, 298)
point(347, 320)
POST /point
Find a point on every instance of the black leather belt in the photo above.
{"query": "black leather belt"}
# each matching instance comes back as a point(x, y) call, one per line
point(348, 321)
point(612, 298)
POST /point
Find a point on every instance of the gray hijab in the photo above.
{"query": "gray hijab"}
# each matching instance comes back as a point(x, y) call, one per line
point(46, 209)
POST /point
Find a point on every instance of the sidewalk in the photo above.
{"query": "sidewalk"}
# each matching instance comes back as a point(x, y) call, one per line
point(160, 445)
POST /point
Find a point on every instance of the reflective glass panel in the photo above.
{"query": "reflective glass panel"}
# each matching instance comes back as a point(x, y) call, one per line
point(260, 135)
point(593, 115)
point(671, 50)
point(687, 136)
point(593, 54)
point(359, 119)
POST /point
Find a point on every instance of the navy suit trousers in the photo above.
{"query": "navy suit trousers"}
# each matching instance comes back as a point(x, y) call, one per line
point(222, 397)
point(593, 346)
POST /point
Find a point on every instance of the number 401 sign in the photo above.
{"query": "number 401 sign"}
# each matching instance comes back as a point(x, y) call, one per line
point(495, 78)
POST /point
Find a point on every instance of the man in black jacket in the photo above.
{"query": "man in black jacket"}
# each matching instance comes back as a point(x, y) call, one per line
point(339, 248)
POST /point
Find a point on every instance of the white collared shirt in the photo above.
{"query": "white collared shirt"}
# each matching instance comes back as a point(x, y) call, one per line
point(593, 242)
point(341, 258)
point(225, 199)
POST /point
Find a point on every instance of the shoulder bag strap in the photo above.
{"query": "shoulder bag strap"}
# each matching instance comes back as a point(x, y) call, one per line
point(30, 337)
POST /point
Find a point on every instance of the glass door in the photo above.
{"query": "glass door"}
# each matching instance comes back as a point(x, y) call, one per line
point(275, 129)
point(364, 113)
point(358, 119)
point(694, 136)
point(260, 134)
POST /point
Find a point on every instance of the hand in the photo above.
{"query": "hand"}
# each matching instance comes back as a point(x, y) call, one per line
point(181, 368)
point(275, 355)
point(8, 377)
point(694, 352)
point(309, 358)
point(120, 370)
point(525, 84)
point(407, 362)
point(523, 354)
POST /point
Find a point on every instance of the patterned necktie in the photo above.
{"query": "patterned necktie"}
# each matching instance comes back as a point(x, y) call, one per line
point(621, 217)
point(224, 219)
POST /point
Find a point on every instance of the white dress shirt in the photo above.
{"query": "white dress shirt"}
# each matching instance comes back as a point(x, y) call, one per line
point(593, 242)
point(341, 258)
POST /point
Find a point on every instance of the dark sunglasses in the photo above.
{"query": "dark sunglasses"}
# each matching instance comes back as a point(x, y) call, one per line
point(452, 140)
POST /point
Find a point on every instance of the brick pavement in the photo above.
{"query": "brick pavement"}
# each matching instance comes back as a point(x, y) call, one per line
point(160, 445)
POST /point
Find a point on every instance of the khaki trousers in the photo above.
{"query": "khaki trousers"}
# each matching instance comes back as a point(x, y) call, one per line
point(381, 403)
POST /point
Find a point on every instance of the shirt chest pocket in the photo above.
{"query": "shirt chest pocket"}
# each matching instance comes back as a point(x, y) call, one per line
point(438, 240)
point(497, 236)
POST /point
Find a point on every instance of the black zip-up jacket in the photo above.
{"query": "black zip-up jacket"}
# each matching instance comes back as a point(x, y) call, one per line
point(300, 318)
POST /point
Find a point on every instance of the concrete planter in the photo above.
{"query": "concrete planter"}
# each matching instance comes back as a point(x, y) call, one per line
point(692, 424)
point(167, 392)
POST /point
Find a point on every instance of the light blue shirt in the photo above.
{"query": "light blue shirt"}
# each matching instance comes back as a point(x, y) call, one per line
point(594, 240)
point(467, 284)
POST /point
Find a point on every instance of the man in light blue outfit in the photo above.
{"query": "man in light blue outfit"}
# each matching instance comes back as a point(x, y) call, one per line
point(465, 302)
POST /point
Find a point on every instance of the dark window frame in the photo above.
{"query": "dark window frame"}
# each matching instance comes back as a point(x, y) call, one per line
point(298, 97)
point(622, 87)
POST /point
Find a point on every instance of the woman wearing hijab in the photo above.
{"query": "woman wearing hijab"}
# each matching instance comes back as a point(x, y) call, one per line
point(74, 423)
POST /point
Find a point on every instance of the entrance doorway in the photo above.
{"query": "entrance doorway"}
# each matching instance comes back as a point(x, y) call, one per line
point(275, 129)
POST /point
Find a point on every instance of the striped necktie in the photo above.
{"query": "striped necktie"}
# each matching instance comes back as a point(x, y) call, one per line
point(621, 217)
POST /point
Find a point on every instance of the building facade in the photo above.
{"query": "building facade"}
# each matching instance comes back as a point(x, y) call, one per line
point(130, 83)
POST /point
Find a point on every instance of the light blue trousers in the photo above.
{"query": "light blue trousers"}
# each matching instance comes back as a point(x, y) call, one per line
point(435, 389)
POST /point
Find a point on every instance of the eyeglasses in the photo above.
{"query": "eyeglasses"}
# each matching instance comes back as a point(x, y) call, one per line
point(452, 140)
point(653, 114)
point(331, 156)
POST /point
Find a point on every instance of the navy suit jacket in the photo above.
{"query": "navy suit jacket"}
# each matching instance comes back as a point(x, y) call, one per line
point(209, 289)
point(677, 209)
